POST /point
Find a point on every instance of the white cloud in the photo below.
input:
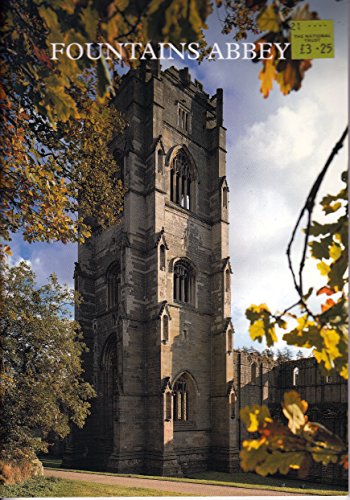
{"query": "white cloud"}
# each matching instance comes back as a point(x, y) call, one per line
point(46, 258)
point(272, 163)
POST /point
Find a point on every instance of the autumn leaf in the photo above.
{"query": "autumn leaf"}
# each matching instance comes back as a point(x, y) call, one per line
point(252, 454)
point(255, 416)
point(269, 20)
point(280, 462)
point(294, 409)
point(326, 290)
point(329, 303)
point(323, 268)
point(267, 75)
point(279, 448)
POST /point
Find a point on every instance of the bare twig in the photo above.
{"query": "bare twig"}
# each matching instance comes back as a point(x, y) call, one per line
point(308, 207)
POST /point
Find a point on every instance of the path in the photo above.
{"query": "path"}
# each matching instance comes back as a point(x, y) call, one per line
point(171, 486)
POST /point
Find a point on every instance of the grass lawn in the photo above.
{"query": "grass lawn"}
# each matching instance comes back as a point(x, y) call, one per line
point(238, 479)
point(250, 480)
point(55, 487)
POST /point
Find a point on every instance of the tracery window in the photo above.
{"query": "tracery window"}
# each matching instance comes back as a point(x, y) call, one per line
point(182, 118)
point(113, 285)
point(181, 400)
point(184, 282)
point(181, 181)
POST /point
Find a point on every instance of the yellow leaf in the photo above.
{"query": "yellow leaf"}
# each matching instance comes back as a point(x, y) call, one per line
point(294, 409)
point(257, 330)
point(267, 76)
point(344, 372)
point(254, 417)
point(335, 251)
point(330, 350)
point(269, 20)
point(323, 268)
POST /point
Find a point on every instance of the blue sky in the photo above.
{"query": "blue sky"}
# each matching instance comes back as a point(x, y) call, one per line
point(276, 147)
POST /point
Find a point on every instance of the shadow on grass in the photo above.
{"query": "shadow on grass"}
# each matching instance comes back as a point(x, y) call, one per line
point(280, 482)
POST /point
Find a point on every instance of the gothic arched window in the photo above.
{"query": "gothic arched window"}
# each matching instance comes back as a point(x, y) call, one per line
point(227, 280)
point(229, 341)
point(233, 405)
point(225, 197)
point(253, 372)
point(162, 257)
point(181, 181)
point(181, 400)
point(107, 388)
point(160, 161)
point(168, 406)
point(165, 329)
point(184, 282)
point(113, 285)
point(295, 376)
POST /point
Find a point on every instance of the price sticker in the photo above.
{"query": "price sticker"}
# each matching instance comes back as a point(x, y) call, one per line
point(312, 39)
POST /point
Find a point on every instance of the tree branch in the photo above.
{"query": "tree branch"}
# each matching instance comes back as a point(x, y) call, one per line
point(309, 207)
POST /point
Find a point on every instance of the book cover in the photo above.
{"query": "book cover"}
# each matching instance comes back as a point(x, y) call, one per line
point(182, 167)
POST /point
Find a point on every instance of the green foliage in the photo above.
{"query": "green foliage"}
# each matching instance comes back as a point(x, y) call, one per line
point(56, 123)
point(41, 387)
point(48, 171)
point(280, 448)
point(30, 26)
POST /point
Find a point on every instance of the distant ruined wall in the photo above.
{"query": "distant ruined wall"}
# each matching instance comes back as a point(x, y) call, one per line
point(261, 380)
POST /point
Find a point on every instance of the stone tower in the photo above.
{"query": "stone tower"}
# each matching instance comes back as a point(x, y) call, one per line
point(156, 288)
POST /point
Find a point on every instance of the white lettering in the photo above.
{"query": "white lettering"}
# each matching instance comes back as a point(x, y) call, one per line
point(215, 51)
point(265, 48)
point(90, 46)
point(249, 48)
point(232, 49)
point(133, 48)
point(56, 50)
point(193, 49)
point(69, 51)
point(116, 52)
point(282, 51)
point(148, 50)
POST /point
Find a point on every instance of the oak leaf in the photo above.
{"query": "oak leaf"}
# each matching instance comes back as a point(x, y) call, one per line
point(294, 409)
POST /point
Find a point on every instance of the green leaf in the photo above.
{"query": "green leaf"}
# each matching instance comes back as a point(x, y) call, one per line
point(319, 249)
point(104, 77)
point(337, 272)
point(269, 20)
